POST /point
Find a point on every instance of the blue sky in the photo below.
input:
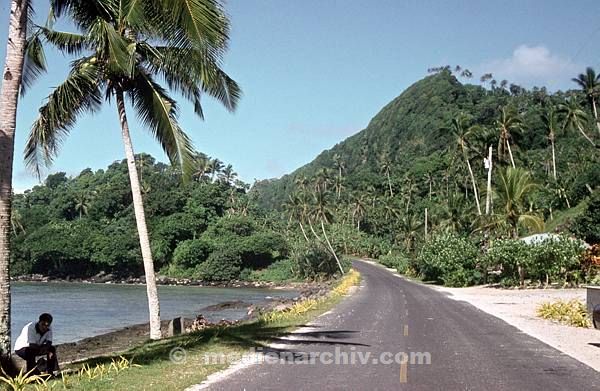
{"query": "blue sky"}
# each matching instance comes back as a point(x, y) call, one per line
point(316, 71)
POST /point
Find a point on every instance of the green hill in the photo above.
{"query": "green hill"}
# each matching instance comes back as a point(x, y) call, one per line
point(412, 133)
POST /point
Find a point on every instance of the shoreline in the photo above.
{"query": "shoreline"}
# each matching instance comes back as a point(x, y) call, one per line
point(108, 279)
point(124, 338)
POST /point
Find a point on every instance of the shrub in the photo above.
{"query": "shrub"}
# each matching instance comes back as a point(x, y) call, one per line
point(552, 259)
point(222, 265)
point(572, 312)
point(191, 253)
point(282, 270)
point(314, 261)
point(505, 256)
point(449, 259)
point(397, 261)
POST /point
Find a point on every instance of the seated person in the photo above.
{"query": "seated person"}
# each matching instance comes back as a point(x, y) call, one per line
point(36, 340)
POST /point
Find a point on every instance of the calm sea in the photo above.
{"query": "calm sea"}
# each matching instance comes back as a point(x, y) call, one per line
point(83, 310)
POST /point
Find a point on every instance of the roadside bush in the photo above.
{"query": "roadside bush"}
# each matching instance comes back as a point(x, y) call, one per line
point(282, 270)
point(449, 259)
point(190, 253)
point(397, 261)
point(572, 312)
point(550, 260)
point(222, 265)
point(504, 256)
point(314, 261)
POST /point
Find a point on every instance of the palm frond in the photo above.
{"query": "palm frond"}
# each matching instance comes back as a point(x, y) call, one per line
point(35, 62)
point(202, 22)
point(159, 113)
point(70, 43)
point(78, 94)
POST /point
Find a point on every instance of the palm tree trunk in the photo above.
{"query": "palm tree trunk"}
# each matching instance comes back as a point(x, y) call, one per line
point(331, 248)
point(475, 194)
point(512, 161)
point(585, 135)
point(553, 158)
point(303, 231)
point(488, 196)
point(9, 97)
point(595, 113)
point(390, 185)
point(140, 218)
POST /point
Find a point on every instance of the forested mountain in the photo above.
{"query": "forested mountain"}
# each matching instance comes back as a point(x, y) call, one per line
point(411, 150)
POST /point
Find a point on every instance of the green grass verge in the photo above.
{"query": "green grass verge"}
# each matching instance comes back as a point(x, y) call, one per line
point(153, 369)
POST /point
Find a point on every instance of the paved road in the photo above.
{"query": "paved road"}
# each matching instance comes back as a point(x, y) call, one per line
point(468, 349)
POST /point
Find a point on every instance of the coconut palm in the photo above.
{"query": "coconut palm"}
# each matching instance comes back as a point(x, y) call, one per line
point(550, 118)
point(24, 60)
point(215, 168)
point(461, 132)
point(507, 124)
point(296, 210)
point(322, 213)
point(385, 166)
point(516, 185)
point(359, 209)
point(126, 46)
point(574, 117)
point(227, 175)
point(82, 203)
point(590, 85)
point(201, 166)
point(339, 164)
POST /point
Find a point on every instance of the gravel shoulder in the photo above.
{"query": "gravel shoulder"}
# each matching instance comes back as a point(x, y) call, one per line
point(518, 308)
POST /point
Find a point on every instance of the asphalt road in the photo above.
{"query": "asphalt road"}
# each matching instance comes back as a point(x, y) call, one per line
point(393, 334)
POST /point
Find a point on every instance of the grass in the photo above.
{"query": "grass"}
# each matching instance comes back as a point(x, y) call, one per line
point(572, 312)
point(150, 366)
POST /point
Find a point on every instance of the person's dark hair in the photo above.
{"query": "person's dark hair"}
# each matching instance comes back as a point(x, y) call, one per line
point(45, 317)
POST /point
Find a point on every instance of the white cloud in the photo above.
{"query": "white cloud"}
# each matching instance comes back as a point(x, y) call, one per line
point(534, 66)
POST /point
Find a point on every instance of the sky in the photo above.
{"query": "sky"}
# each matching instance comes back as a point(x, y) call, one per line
point(314, 72)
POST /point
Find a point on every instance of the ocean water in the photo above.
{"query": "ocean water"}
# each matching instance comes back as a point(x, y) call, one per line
point(83, 310)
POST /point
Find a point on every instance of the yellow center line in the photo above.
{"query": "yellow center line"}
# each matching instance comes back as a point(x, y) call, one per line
point(404, 371)
point(405, 330)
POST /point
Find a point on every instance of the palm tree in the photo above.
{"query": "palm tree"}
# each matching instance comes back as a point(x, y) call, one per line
point(323, 214)
point(201, 166)
point(508, 123)
point(17, 73)
point(516, 184)
point(359, 209)
point(461, 132)
point(302, 182)
point(227, 175)
point(550, 118)
point(16, 222)
point(215, 167)
point(574, 118)
point(341, 166)
point(127, 46)
point(385, 166)
point(296, 210)
point(82, 203)
point(590, 84)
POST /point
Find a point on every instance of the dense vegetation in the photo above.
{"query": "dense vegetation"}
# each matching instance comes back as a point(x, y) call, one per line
point(83, 225)
point(415, 187)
